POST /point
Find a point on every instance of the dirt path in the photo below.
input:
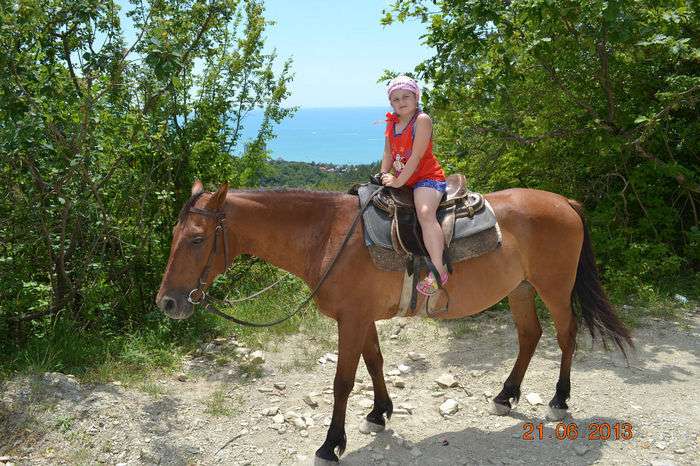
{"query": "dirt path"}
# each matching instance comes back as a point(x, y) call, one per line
point(215, 416)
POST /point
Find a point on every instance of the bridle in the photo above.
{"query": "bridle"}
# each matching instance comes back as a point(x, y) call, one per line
point(199, 296)
point(220, 217)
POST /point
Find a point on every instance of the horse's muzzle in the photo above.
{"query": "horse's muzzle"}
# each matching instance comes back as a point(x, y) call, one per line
point(175, 307)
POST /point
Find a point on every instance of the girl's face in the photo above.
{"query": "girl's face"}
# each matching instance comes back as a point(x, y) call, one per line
point(403, 102)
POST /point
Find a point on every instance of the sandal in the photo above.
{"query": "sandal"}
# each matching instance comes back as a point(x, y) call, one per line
point(428, 286)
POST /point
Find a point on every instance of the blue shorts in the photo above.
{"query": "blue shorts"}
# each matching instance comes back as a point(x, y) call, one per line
point(440, 186)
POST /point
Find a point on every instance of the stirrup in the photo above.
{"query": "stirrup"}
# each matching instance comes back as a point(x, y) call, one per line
point(428, 286)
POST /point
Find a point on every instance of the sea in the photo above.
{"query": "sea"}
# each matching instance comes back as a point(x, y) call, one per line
point(341, 136)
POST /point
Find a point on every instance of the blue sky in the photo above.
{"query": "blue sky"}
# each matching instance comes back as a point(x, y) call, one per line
point(339, 49)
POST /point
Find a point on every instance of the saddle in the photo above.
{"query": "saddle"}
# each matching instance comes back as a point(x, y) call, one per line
point(393, 236)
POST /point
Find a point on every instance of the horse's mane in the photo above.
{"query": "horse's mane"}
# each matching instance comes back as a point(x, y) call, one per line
point(188, 205)
point(287, 190)
point(182, 216)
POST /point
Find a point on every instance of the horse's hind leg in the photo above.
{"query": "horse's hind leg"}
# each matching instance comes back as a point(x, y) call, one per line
point(522, 305)
point(382, 403)
point(565, 325)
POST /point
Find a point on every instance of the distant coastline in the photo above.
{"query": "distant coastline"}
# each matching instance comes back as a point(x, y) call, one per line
point(331, 135)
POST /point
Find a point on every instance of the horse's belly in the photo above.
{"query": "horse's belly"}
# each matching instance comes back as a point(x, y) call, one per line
point(479, 283)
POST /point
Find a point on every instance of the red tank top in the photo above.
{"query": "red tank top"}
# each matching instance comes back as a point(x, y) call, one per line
point(401, 146)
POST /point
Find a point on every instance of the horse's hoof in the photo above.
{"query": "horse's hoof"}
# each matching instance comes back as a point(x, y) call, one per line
point(321, 462)
point(499, 409)
point(324, 458)
point(556, 414)
point(366, 427)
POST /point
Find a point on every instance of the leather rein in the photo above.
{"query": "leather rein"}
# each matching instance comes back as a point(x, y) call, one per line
point(199, 296)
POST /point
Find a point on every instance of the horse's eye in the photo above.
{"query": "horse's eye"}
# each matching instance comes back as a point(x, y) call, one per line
point(197, 240)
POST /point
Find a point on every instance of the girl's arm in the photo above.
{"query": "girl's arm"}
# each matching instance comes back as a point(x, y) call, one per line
point(424, 128)
point(386, 159)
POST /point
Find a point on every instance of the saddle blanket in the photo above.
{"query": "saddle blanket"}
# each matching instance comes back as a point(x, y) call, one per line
point(472, 236)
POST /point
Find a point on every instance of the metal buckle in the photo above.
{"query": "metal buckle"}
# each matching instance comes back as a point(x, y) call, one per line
point(191, 301)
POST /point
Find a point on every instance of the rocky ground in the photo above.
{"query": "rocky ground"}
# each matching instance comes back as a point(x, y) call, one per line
point(230, 405)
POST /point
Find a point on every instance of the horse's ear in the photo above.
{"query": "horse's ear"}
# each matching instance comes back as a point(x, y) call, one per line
point(197, 187)
point(217, 200)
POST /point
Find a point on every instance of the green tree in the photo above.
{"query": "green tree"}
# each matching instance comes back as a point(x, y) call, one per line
point(596, 100)
point(101, 140)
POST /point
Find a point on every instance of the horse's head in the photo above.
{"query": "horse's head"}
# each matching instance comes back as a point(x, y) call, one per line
point(198, 253)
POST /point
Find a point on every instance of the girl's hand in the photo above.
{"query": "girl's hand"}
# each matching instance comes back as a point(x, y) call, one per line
point(390, 180)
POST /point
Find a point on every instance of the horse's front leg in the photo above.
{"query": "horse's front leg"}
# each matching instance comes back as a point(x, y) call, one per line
point(351, 340)
point(374, 361)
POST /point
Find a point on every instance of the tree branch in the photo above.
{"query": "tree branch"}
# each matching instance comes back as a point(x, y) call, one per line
point(603, 77)
point(71, 70)
point(205, 27)
point(523, 140)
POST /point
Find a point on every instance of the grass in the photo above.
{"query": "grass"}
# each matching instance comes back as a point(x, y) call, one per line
point(217, 404)
point(250, 370)
point(97, 353)
point(64, 423)
point(158, 344)
point(153, 389)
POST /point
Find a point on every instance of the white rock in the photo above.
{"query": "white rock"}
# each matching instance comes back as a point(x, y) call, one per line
point(310, 401)
point(241, 351)
point(534, 399)
point(580, 449)
point(399, 384)
point(298, 422)
point(209, 348)
point(271, 411)
point(408, 407)
point(257, 357)
point(63, 383)
point(278, 419)
point(332, 357)
point(662, 462)
point(680, 298)
point(413, 356)
point(661, 445)
point(404, 369)
point(415, 452)
point(393, 373)
point(280, 385)
point(446, 381)
point(449, 407)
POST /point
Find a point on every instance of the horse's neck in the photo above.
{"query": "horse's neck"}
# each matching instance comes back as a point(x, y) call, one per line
point(289, 229)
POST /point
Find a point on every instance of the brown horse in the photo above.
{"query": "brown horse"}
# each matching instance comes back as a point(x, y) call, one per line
point(546, 249)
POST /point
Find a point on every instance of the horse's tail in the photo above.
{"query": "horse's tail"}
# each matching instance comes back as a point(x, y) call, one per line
point(589, 299)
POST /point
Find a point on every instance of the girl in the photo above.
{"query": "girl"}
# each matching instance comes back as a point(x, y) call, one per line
point(408, 148)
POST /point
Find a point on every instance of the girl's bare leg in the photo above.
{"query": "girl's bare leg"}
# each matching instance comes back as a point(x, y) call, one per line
point(426, 201)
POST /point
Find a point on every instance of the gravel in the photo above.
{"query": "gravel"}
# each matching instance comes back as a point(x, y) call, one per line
point(649, 409)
